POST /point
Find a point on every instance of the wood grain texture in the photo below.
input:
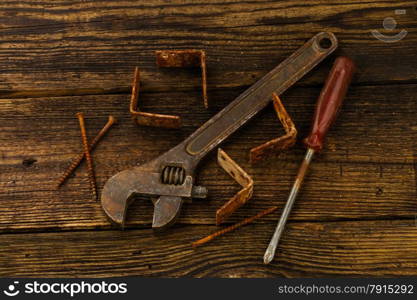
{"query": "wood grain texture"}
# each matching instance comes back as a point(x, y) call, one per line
point(82, 47)
point(355, 214)
point(367, 248)
point(367, 170)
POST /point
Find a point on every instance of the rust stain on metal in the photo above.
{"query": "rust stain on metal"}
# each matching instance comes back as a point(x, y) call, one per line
point(77, 160)
point(284, 142)
point(185, 59)
point(149, 119)
point(234, 227)
point(241, 177)
point(90, 168)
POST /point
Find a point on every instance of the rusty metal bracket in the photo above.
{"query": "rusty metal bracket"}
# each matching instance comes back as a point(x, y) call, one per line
point(149, 119)
point(241, 177)
point(281, 143)
point(185, 59)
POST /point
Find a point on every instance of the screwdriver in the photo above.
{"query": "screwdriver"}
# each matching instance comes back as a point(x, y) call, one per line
point(327, 108)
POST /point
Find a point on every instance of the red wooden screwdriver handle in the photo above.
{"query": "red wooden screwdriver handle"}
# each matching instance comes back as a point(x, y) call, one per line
point(330, 100)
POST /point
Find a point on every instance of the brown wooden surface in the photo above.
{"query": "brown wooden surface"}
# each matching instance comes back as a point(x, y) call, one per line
point(355, 214)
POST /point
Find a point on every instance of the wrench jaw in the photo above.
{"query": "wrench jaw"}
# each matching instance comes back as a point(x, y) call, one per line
point(116, 196)
point(166, 212)
point(121, 189)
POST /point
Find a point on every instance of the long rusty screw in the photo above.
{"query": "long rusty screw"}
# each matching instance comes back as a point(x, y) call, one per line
point(90, 167)
point(234, 226)
point(77, 160)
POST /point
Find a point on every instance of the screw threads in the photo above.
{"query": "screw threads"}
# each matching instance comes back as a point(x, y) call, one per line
point(77, 160)
point(234, 226)
point(90, 168)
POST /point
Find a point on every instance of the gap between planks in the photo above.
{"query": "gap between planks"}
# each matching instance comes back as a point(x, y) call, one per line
point(126, 90)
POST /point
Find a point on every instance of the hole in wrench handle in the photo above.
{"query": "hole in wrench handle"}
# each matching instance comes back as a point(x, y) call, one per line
point(255, 98)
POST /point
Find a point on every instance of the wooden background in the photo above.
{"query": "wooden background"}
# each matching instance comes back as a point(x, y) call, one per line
point(356, 213)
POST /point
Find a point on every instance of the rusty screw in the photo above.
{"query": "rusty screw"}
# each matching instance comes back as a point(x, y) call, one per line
point(234, 226)
point(90, 167)
point(77, 160)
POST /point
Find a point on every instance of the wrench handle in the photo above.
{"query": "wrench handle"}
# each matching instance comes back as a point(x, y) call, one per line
point(330, 101)
point(244, 107)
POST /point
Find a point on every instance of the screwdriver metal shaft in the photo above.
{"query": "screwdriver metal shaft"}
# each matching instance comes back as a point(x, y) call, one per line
point(328, 105)
point(270, 251)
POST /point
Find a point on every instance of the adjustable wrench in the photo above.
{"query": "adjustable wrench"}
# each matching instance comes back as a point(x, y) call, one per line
point(169, 179)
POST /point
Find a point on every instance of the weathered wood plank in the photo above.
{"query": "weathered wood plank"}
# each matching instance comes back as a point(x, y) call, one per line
point(367, 170)
point(367, 248)
point(72, 47)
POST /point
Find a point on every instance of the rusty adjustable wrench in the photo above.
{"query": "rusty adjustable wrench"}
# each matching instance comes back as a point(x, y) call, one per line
point(169, 179)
